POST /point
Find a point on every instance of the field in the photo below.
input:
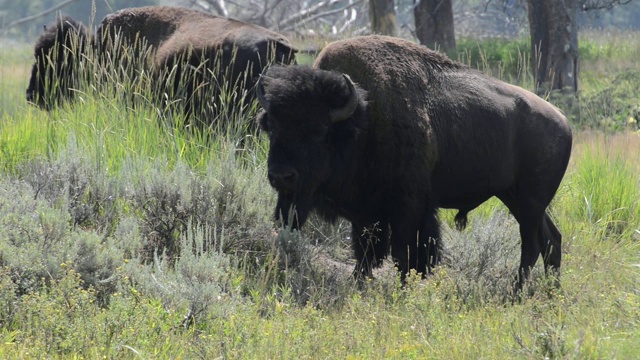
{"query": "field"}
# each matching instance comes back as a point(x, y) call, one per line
point(123, 235)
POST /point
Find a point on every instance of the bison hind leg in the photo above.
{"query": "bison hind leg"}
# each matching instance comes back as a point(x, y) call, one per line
point(551, 249)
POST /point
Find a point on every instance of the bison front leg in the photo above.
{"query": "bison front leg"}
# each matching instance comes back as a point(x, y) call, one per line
point(416, 243)
point(370, 246)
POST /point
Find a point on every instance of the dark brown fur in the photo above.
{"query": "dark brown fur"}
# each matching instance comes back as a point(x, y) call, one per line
point(431, 134)
point(56, 56)
point(191, 41)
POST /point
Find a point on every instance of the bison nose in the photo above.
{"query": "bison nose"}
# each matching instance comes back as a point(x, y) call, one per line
point(283, 179)
point(30, 96)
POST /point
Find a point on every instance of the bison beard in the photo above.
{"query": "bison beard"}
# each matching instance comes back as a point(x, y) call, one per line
point(294, 204)
point(290, 212)
point(431, 134)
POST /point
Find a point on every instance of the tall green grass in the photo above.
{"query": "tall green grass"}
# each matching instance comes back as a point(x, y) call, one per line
point(14, 75)
point(126, 234)
point(127, 112)
point(604, 188)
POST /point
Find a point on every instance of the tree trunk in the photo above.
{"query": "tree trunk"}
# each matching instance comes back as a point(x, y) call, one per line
point(383, 17)
point(554, 44)
point(434, 24)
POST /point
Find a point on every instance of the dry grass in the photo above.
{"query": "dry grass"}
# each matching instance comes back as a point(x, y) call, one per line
point(625, 145)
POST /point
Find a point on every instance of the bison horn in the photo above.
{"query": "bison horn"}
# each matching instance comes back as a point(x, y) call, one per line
point(344, 112)
point(260, 93)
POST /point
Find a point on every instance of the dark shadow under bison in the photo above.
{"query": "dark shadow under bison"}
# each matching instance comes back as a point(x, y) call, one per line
point(383, 132)
point(186, 53)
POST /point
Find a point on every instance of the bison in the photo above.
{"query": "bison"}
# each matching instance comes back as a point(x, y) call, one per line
point(383, 132)
point(185, 50)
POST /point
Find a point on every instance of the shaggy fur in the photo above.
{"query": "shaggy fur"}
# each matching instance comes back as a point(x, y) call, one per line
point(431, 134)
point(165, 39)
point(56, 56)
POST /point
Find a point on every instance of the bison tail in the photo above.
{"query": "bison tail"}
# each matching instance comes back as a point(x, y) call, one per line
point(461, 220)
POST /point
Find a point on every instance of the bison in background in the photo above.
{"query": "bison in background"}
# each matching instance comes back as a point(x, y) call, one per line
point(185, 52)
point(383, 132)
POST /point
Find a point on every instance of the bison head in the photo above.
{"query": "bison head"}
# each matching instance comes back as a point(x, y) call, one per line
point(56, 55)
point(312, 118)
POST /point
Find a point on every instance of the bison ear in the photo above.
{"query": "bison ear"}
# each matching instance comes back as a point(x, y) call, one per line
point(261, 119)
point(345, 111)
point(262, 100)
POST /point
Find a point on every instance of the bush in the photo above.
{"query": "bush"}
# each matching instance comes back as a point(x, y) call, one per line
point(34, 248)
point(482, 260)
point(615, 106)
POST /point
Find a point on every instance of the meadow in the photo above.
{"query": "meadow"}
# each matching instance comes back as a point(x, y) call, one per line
point(124, 234)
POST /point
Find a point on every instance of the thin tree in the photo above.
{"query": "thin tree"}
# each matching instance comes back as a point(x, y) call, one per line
point(383, 17)
point(554, 40)
point(434, 24)
point(554, 43)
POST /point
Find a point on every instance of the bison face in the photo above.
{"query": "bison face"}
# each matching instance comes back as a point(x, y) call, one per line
point(56, 55)
point(45, 84)
point(51, 80)
point(35, 91)
point(302, 107)
point(298, 164)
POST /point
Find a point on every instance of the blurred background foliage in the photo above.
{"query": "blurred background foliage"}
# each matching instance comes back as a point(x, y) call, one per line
point(473, 18)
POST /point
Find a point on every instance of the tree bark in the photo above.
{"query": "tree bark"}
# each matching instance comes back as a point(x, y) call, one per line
point(434, 24)
point(554, 44)
point(383, 17)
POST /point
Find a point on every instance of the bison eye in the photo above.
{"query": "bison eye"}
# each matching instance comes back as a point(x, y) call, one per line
point(262, 120)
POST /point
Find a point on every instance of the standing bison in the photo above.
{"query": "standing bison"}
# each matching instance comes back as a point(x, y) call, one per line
point(186, 51)
point(383, 132)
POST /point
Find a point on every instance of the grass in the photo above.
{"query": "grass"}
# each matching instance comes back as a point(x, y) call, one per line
point(124, 236)
point(14, 75)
